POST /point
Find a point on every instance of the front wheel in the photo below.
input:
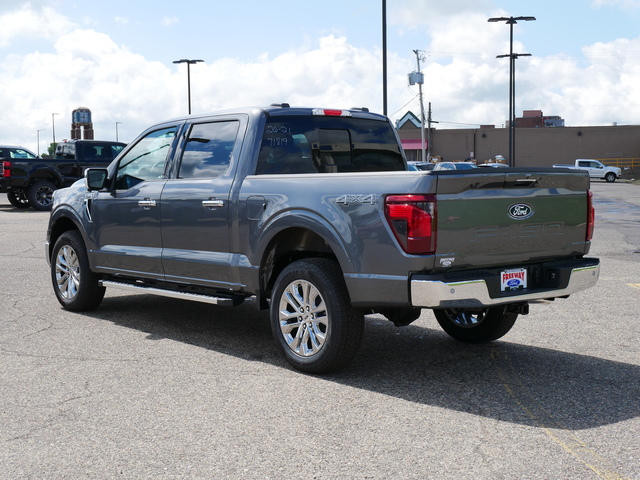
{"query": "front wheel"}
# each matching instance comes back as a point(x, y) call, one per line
point(312, 320)
point(610, 177)
point(76, 286)
point(40, 195)
point(17, 197)
point(476, 326)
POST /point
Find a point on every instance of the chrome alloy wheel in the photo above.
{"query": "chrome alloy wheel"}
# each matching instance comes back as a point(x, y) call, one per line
point(67, 272)
point(303, 318)
point(466, 319)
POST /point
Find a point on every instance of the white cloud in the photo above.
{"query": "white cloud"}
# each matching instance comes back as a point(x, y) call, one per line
point(417, 13)
point(168, 21)
point(31, 23)
point(463, 79)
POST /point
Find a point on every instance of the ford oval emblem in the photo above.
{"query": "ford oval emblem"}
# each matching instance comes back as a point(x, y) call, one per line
point(520, 211)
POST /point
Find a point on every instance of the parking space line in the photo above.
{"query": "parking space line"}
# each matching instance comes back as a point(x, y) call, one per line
point(552, 427)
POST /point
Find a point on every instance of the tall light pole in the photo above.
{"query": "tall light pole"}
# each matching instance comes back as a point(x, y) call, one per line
point(53, 130)
point(511, 21)
point(38, 138)
point(189, 63)
point(384, 57)
point(117, 123)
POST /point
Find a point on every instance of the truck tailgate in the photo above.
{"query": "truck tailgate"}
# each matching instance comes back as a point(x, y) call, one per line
point(488, 218)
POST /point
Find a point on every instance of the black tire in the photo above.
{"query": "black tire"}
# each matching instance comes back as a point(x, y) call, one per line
point(312, 320)
point(18, 198)
point(40, 195)
point(75, 285)
point(610, 177)
point(476, 326)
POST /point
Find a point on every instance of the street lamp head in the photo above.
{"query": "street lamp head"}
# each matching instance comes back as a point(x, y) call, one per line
point(190, 62)
point(513, 55)
point(511, 20)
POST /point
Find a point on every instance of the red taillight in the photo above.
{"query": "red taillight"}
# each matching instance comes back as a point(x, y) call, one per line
point(591, 216)
point(413, 221)
point(6, 169)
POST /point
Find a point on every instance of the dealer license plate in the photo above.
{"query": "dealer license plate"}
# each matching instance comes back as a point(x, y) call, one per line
point(513, 279)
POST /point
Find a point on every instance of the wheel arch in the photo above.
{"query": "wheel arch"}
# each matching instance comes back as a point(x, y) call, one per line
point(296, 236)
point(60, 224)
point(46, 174)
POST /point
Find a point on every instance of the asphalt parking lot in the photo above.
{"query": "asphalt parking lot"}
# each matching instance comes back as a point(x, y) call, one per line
point(148, 387)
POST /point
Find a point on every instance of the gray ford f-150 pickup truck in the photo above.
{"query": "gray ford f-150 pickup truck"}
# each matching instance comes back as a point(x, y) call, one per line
point(312, 213)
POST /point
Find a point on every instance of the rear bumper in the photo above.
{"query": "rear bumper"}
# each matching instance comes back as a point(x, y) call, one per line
point(482, 288)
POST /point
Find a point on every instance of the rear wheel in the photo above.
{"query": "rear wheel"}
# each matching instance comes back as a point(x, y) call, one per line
point(476, 326)
point(40, 195)
point(312, 320)
point(610, 177)
point(76, 286)
point(17, 197)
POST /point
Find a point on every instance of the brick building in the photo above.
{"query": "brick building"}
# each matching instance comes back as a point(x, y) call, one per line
point(534, 146)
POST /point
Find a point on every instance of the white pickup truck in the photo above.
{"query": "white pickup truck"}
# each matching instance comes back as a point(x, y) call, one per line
point(595, 168)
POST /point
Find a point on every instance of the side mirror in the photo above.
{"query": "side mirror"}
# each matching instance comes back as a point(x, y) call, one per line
point(95, 178)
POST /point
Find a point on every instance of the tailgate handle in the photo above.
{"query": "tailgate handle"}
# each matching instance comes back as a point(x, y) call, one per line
point(526, 181)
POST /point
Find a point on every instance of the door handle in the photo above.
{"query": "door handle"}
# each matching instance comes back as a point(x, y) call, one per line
point(213, 203)
point(146, 203)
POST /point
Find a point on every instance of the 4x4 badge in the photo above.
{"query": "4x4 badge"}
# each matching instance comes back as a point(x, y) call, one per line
point(520, 211)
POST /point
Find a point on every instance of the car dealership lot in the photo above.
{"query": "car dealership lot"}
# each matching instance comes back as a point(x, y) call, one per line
point(151, 387)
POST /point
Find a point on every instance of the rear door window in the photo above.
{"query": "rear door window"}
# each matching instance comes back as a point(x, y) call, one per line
point(208, 148)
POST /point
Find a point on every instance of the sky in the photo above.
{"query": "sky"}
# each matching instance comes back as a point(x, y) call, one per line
point(116, 58)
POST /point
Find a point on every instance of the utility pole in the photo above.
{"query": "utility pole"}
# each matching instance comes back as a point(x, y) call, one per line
point(418, 77)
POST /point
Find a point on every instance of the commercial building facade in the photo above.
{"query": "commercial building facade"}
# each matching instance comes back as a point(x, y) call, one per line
point(534, 147)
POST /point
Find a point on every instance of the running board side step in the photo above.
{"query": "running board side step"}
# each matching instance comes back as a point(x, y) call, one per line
point(222, 301)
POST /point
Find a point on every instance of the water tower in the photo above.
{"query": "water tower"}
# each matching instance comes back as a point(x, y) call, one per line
point(81, 125)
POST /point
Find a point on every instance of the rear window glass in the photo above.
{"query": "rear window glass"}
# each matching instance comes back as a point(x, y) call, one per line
point(91, 151)
point(304, 144)
point(20, 153)
point(100, 151)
